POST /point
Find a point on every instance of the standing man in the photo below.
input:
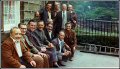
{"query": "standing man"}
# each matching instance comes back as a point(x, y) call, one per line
point(73, 16)
point(61, 19)
point(46, 13)
point(14, 54)
point(56, 9)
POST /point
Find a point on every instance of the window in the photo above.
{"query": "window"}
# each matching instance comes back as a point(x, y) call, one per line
point(11, 14)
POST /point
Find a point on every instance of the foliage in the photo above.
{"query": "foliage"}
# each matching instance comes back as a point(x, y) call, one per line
point(96, 9)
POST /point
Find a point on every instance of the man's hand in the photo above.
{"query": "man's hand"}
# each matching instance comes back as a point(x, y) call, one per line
point(43, 49)
point(74, 21)
point(65, 54)
point(33, 63)
point(42, 54)
point(50, 45)
point(22, 66)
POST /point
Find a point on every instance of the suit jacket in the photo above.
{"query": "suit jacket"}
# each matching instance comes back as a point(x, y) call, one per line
point(10, 58)
point(44, 15)
point(70, 38)
point(58, 22)
point(73, 17)
point(57, 46)
point(41, 36)
point(54, 13)
point(34, 40)
point(48, 36)
point(29, 45)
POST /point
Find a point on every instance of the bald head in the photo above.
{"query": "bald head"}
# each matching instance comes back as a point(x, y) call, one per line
point(15, 33)
point(64, 7)
point(61, 35)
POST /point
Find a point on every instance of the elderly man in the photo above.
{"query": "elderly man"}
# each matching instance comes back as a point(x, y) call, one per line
point(73, 16)
point(14, 54)
point(56, 9)
point(41, 59)
point(60, 47)
point(61, 19)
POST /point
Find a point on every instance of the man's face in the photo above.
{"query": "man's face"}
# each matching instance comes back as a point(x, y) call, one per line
point(32, 26)
point(16, 34)
point(40, 25)
point(56, 6)
point(49, 6)
point(70, 8)
point(23, 29)
point(50, 27)
point(64, 7)
point(61, 35)
point(68, 26)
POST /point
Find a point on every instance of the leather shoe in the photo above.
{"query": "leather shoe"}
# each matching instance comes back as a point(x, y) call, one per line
point(56, 66)
point(61, 64)
point(70, 60)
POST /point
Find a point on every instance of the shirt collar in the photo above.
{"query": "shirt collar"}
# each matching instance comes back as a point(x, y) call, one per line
point(64, 11)
point(13, 39)
point(60, 40)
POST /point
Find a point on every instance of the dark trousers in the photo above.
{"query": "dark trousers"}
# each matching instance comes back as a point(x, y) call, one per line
point(52, 55)
point(24, 62)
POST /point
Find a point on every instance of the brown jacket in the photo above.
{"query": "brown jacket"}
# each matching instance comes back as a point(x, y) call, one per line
point(10, 58)
point(70, 38)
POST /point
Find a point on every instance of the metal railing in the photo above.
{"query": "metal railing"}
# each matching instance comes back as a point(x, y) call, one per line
point(98, 36)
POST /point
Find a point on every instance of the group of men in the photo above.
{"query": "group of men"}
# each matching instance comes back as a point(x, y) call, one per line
point(41, 44)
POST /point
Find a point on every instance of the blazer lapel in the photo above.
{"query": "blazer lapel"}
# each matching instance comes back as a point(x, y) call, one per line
point(13, 44)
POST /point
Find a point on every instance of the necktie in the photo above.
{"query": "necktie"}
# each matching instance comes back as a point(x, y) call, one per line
point(64, 20)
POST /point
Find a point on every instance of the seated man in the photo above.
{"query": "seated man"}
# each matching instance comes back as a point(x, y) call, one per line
point(60, 47)
point(49, 32)
point(40, 58)
point(39, 33)
point(39, 45)
point(14, 54)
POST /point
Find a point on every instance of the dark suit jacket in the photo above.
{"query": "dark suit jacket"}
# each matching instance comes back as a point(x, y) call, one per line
point(41, 36)
point(44, 15)
point(34, 40)
point(29, 45)
point(10, 58)
point(73, 16)
point(57, 46)
point(47, 35)
point(58, 22)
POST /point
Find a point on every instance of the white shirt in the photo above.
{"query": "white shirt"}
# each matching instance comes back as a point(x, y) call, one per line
point(64, 18)
point(50, 33)
point(49, 15)
point(18, 47)
point(60, 41)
